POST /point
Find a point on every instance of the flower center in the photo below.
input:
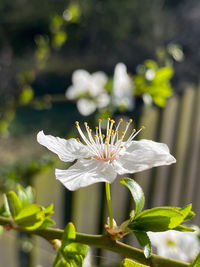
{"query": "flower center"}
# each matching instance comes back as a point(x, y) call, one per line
point(106, 147)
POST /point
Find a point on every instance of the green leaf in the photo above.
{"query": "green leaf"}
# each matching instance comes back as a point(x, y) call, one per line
point(69, 234)
point(1, 230)
point(31, 217)
point(49, 210)
point(158, 219)
point(47, 222)
point(6, 205)
point(182, 228)
point(131, 263)
point(25, 195)
point(26, 95)
point(14, 203)
point(186, 211)
point(136, 192)
point(76, 248)
point(196, 262)
point(144, 242)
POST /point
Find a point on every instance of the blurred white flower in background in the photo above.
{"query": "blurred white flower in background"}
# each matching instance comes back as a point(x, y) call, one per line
point(182, 246)
point(88, 89)
point(122, 94)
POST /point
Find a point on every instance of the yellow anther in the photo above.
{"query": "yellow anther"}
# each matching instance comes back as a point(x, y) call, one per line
point(117, 131)
point(123, 133)
point(87, 127)
point(96, 127)
point(99, 134)
point(134, 130)
point(142, 127)
point(103, 136)
point(127, 123)
point(121, 146)
point(77, 139)
point(76, 122)
point(108, 119)
point(121, 120)
point(100, 120)
point(95, 136)
point(130, 120)
point(85, 123)
point(106, 143)
point(112, 121)
point(77, 125)
point(90, 130)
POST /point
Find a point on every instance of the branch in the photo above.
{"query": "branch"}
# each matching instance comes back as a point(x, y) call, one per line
point(102, 241)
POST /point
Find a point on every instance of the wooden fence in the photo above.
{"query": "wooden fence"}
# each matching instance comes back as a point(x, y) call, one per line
point(178, 125)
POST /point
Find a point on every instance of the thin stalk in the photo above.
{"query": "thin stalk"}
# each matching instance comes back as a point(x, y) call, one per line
point(101, 241)
point(108, 198)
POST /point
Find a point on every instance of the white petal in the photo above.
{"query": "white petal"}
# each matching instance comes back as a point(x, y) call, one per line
point(103, 100)
point(71, 93)
point(142, 155)
point(67, 150)
point(122, 87)
point(85, 106)
point(99, 78)
point(80, 78)
point(86, 172)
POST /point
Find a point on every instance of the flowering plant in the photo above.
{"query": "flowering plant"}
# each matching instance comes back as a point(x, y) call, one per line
point(97, 91)
point(100, 159)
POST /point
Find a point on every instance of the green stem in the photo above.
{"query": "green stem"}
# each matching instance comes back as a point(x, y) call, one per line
point(102, 241)
point(108, 197)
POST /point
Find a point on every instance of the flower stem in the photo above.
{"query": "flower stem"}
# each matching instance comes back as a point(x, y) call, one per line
point(108, 198)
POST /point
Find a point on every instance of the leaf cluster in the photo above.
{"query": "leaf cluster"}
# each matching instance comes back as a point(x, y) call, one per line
point(70, 253)
point(26, 215)
point(158, 219)
point(154, 81)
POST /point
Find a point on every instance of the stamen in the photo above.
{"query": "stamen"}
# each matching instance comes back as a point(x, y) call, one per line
point(110, 149)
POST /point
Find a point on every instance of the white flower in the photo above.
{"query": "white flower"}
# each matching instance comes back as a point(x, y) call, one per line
point(182, 246)
point(101, 161)
point(89, 91)
point(122, 87)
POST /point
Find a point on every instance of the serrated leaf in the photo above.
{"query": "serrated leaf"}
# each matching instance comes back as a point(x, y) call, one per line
point(131, 263)
point(157, 220)
point(196, 262)
point(136, 192)
point(14, 203)
point(144, 242)
point(69, 234)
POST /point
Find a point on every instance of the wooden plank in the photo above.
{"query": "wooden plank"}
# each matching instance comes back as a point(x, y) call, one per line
point(181, 146)
point(192, 160)
point(166, 135)
point(49, 190)
point(149, 119)
point(9, 248)
point(85, 208)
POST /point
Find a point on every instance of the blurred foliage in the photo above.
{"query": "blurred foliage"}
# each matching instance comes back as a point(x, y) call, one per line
point(154, 81)
point(23, 173)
